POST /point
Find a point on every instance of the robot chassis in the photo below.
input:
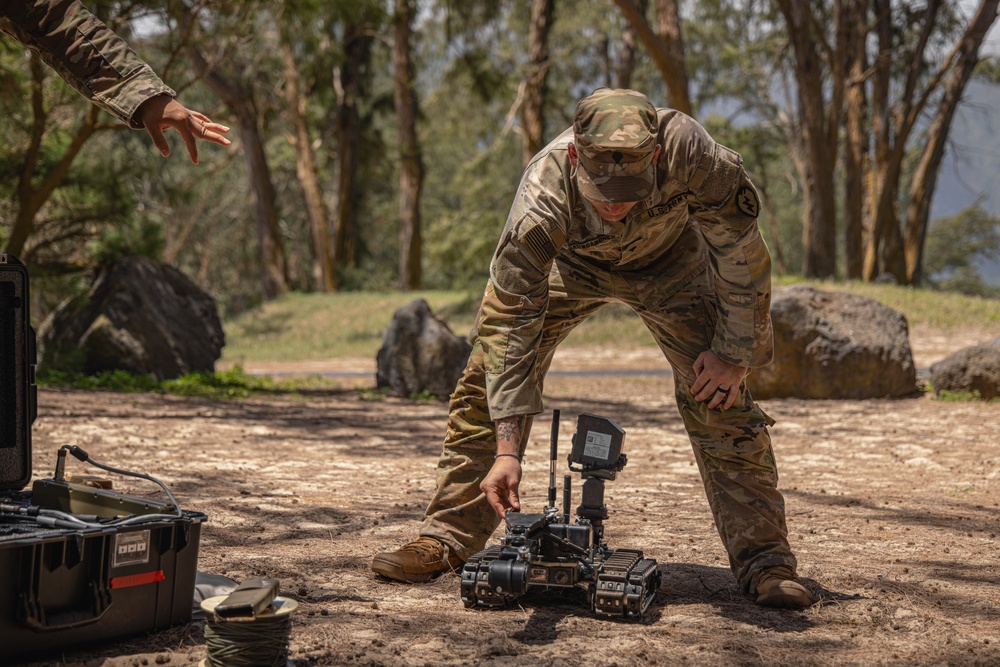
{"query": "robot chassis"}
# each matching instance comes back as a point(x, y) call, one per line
point(547, 551)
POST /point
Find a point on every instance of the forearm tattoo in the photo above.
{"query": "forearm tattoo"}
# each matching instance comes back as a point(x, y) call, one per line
point(509, 430)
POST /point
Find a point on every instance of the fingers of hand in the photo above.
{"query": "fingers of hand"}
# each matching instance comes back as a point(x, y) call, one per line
point(209, 131)
point(513, 500)
point(719, 397)
point(158, 139)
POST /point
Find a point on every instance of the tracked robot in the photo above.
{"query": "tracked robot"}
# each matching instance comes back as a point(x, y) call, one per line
point(553, 550)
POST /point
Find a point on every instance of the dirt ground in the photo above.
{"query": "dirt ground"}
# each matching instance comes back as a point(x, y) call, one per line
point(892, 509)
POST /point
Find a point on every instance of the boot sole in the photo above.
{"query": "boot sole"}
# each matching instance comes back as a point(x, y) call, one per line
point(395, 571)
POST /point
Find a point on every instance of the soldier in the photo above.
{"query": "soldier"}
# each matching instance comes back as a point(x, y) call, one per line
point(637, 205)
point(102, 68)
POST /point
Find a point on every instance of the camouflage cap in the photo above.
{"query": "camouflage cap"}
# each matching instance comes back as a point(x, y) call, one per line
point(615, 136)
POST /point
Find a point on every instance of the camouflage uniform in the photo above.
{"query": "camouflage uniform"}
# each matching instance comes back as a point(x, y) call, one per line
point(690, 261)
point(86, 53)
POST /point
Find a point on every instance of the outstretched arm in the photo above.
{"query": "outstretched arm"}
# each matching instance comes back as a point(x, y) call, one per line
point(102, 67)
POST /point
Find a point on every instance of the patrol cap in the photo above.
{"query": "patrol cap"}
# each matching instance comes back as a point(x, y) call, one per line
point(615, 136)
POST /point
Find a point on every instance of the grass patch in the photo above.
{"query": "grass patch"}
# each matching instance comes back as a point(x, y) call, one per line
point(297, 327)
point(962, 397)
point(947, 311)
point(305, 327)
point(234, 383)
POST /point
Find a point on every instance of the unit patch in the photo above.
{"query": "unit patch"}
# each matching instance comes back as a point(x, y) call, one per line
point(746, 200)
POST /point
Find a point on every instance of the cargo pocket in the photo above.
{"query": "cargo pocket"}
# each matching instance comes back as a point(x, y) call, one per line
point(499, 310)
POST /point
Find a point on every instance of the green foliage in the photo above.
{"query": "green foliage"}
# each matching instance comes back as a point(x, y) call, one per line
point(116, 380)
point(955, 243)
point(373, 395)
point(962, 397)
point(121, 197)
point(234, 383)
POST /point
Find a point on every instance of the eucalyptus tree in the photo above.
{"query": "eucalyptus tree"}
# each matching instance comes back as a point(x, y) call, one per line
point(898, 65)
point(411, 172)
point(535, 75)
point(228, 51)
point(665, 46)
point(49, 206)
point(300, 42)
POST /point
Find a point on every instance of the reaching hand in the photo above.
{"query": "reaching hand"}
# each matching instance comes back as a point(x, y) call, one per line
point(717, 381)
point(500, 484)
point(163, 111)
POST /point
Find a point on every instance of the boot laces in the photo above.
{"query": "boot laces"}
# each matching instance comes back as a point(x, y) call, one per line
point(428, 549)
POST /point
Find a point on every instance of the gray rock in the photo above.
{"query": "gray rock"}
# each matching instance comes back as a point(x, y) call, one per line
point(971, 369)
point(139, 316)
point(835, 345)
point(419, 353)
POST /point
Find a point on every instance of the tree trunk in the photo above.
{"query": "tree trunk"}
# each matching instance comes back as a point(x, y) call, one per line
point(305, 168)
point(819, 224)
point(347, 133)
point(30, 197)
point(668, 56)
point(882, 132)
point(536, 71)
point(925, 178)
point(856, 163)
point(411, 173)
point(626, 58)
point(668, 29)
point(273, 276)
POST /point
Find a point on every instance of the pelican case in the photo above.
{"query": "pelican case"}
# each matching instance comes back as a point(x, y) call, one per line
point(63, 586)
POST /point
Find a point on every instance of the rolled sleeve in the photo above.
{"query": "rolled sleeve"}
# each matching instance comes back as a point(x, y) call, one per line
point(513, 310)
point(726, 206)
point(86, 53)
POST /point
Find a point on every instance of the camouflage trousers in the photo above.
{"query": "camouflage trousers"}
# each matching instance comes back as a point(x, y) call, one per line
point(732, 447)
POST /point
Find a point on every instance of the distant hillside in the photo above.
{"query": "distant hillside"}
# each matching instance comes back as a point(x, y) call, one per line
point(971, 167)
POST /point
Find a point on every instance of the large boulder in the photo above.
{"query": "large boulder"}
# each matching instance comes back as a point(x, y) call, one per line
point(420, 354)
point(139, 316)
point(835, 345)
point(971, 369)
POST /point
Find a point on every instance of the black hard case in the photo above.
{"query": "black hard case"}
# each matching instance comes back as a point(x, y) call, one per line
point(18, 393)
point(60, 588)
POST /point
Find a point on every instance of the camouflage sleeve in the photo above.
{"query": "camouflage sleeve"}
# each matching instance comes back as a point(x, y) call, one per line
point(86, 53)
point(725, 206)
point(510, 319)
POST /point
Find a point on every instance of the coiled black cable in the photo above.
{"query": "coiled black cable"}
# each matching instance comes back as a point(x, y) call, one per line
point(261, 642)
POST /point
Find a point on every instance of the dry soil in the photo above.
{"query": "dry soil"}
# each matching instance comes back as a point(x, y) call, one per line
point(892, 509)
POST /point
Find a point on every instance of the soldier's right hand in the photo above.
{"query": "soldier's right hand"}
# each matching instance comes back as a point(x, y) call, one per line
point(501, 483)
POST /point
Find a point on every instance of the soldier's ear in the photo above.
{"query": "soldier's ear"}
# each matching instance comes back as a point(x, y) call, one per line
point(573, 157)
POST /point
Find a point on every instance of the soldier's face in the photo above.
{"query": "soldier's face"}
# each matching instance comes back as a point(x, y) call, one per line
point(613, 212)
point(610, 212)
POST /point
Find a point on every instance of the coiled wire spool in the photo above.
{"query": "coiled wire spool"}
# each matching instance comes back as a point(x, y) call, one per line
point(251, 641)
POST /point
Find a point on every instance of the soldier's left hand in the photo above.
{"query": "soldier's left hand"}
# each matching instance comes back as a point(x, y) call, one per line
point(717, 381)
point(160, 112)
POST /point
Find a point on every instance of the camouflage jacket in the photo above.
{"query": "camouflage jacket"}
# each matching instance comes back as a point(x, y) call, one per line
point(85, 52)
point(699, 182)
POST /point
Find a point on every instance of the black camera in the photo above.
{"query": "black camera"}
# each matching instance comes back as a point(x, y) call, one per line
point(547, 550)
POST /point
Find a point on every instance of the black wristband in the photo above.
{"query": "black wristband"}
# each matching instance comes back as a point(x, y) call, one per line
point(520, 459)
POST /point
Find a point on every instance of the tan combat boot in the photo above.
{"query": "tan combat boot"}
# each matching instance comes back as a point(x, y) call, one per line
point(417, 561)
point(778, 588)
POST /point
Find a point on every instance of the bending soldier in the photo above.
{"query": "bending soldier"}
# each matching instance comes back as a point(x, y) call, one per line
point(636, 205)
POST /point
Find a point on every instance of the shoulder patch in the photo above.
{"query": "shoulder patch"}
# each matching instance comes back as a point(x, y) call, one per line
point(537, 241)
point(746, 200)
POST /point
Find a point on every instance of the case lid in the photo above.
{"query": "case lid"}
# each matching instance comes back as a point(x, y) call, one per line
point(18, 392)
